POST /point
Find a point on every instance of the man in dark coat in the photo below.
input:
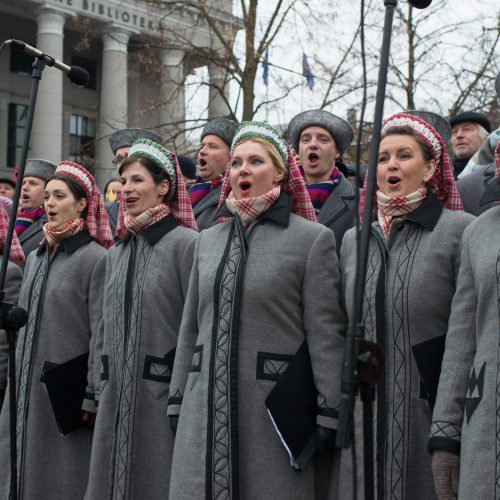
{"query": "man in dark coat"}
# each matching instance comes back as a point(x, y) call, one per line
point(213, 156)
point(31, 216)
point(468, 131)
point(121, 142)
point(320, 138)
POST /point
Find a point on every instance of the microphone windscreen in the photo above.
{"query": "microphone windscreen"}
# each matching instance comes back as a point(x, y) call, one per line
point(420, 4)
point(78, 76)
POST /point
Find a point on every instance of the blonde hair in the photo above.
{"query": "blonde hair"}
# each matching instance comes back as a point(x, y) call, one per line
point(276, 158)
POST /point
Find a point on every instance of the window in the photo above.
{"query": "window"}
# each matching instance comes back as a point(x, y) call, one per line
point(88, 64)
point(81, 141)
point(20, 62)
point(18, 114)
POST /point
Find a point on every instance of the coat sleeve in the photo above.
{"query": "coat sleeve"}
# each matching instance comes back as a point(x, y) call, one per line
point(324, 324)
point(459, 355)
point(188, 334)
point(95, 303)
point(13, 280)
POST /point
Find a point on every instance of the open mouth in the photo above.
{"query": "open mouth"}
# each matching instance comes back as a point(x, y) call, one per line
point(245, 187)
point(202, 162)
point(52, 214)
point(130, 200)
point(394, 181)
point(313, 158)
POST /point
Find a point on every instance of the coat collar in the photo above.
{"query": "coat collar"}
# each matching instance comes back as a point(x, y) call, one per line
point(279, 212)
point(491, 192)
point(154, 233)
point(69, 245)
point(336, 203)
point(33, 229)
point(211, 199)
point(427, 214)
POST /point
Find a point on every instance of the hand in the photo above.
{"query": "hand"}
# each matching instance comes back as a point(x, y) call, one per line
point(88, 418)
point(446, 472)
point(174, 422)
point(325, 438)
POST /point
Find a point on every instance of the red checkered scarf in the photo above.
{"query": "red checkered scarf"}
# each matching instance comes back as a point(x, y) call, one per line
point(250, 209)
point(396, 206)
point(179, 205)
point(442, 184)
point(293, 184)
point(131, 224)
point(497, 161)
point(97, 219)
point(54, 235)
point(16, 253)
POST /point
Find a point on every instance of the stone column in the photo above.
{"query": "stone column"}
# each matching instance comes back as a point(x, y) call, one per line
point(113, 99)
point(46, 136)
point(219, 92)
point(172, 111)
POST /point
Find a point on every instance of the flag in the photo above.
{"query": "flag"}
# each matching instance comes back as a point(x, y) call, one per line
point(265, 68)
point(306, 71)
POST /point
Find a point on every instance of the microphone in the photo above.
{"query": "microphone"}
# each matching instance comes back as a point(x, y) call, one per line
point(77, 75)
point(420, 4)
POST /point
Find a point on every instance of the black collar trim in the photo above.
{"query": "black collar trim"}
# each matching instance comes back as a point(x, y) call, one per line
point(428, 213)
point(279, 212)
point(154, 233)
point(69, 245)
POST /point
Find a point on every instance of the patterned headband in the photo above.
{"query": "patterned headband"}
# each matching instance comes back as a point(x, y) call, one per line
point(251, 130)
point(422, 128)
point(78, 173)
point(160, 156)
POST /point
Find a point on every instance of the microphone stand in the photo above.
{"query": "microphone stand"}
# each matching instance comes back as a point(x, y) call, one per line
point(12, 317)
point(363, 363)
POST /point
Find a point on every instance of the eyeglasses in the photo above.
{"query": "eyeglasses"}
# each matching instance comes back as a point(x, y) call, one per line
point(118, 160)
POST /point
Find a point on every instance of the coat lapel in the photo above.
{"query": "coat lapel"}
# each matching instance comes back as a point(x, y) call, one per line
point(335, 205)
point(210, 200)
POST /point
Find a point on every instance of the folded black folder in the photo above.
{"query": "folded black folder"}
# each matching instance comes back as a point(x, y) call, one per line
point(429, 357)
point(66, 385)
point(292, 406)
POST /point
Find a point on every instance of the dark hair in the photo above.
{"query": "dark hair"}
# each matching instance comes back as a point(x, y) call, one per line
point(76, 189)
point(156, 172)
point(406, 130)
point(114, 179)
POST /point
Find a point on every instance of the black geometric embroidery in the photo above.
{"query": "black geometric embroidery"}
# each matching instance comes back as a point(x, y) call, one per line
point(270, 366)
point(474, 391)
point(446, 429)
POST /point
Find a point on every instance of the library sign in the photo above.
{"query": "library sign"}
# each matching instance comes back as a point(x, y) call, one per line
point(107, 11)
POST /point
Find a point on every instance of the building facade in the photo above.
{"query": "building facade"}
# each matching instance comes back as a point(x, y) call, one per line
point(137, 54)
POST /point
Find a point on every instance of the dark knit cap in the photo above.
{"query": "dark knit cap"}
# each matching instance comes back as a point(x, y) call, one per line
point(7, 180)
point(439, 123)
point(338, 128)
point(471, 116)
point(43, 169)
point(188, 168)
point(126, 137)
point(221, 127)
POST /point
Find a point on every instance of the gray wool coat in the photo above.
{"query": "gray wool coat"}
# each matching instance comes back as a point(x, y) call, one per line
point(409, 288)
point(63, 297)
point(339, 210)
point(290, 292)
point(12, 287)
point(204, 212)
point(32, 236)
point(466, 419)
point(146, 283)
point(472, 190)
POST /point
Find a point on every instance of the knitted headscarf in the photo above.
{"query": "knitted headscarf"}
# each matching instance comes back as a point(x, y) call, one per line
point(293, 182)
point(178, 199)
point(97, 219)
point(442, 184)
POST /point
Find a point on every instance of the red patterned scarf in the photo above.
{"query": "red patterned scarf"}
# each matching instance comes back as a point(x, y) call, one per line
point(250, 209)
point(135, 225)
point(54, 235)
point(397, 206)
point(200, 189)
point(16, 254)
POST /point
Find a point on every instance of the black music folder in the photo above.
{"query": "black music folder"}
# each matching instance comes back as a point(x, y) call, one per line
point(429, 357)
point(66, 383)
point(292, 406)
